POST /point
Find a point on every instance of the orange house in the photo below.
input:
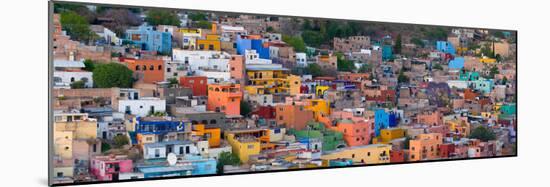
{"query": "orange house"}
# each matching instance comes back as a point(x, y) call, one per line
point(236, 65)
point(431, 118)
point(355, 133)
point(425, 147)
point(225, 97)
point(212, 135)
point(293, 116)
point(147, 71)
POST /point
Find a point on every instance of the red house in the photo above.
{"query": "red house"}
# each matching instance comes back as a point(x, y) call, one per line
point(445, 150)
point(266, 112)
point(108, 168)
point(397, 156)
point(198, 84)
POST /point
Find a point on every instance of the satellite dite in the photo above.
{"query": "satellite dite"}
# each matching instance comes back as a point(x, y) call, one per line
point(143, 93)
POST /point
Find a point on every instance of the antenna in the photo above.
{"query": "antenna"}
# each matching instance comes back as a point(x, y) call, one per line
point(172, 159)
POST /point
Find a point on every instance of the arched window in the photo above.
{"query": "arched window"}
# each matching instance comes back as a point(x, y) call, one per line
point(151, 67)
point(72, 79)
point(137, 67)
point(160, 67)
point(144, 67)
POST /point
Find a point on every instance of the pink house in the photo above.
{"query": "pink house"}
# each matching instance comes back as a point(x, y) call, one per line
point(107, 168)
point(430, 118)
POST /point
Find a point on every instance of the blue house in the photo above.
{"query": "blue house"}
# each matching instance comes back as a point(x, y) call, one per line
point(148, 39)
point(201, 166)
point(444, 46)
point(156, 171)
point(148, 126)
point(485, 86)
point(383, 120)
point(387, 52)
point(244, 44)
point(457, 63)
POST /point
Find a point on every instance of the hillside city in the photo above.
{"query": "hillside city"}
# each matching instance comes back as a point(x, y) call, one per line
point(141, 93)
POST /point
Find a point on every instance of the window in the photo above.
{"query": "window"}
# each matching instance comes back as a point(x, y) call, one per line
point(250, 146)
point(151, 67)
point(368, 153)
point(137, 67)
point(160, 67)
point(157, 153)
point(167, 69)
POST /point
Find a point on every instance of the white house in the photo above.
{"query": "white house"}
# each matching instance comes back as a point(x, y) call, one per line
point(162, 149)
point(142, 106)
point(67, 72)
point(301, 59)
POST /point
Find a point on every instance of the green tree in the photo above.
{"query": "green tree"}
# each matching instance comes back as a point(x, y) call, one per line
point(312, 38)
point(438, 66)
point(418, 42)
point(173, 82)
point(365, 68)
point(343, 64)
point(493, 72)
point(105, 147)
point(89, 65)
point(406, 143)
point(245, 108)
point(227, 158)
point(313, 69)
point(499, 34)
point(199, 16)
point(270, 29)
point(296, 42)
point(76, 26)
point(78, 84)
point(120, 140)
point(203, 24)
point(483, 134)
point(504, 80)
point(398, 44)
point(112, 75)
point(162, 17)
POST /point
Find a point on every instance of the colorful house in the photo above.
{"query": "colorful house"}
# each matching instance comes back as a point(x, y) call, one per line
point(212, 135)
point(366, 154)
point(293, 116)
point(468, 76)
point(445, 47)
point(148, 71)
point(355, 133)
point(198, 84)
point(483, 85)
point(108, 168)
point(248, 42)
point(387, 52)
point(331, 139)
point(456, 63)
point(248, 142)
point(387, 135)
point(225, 97)
point(158, 129)
point(210, 43)
point(271, 79)
point(425, 147)
point(384, 120)
point(148, 39)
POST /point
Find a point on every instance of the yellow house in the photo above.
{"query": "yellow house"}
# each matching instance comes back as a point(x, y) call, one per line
point(387, 135)
point(459, 126)
point(271, 80)
point(246, 143)
point(79, 124)
point(366, 154)
point(210, 43)
point(487, 60)
point(320, 90)
point(318, 106)
point(63, 144)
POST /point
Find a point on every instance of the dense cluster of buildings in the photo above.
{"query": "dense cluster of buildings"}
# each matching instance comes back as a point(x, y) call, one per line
point(202, 97)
